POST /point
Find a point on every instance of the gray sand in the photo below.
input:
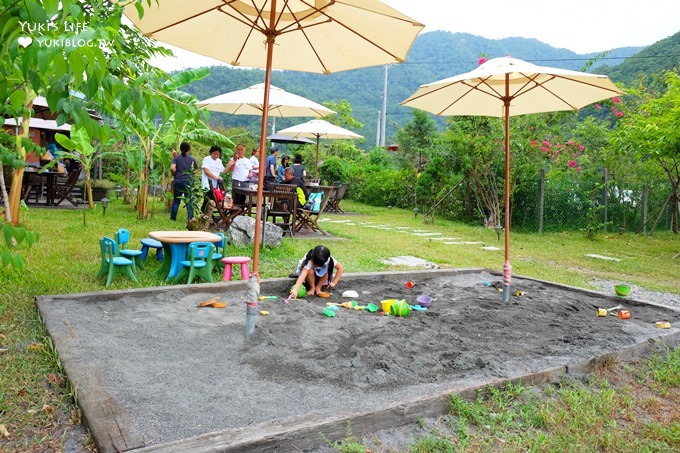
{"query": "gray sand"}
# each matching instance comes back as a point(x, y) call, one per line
point(178, 371)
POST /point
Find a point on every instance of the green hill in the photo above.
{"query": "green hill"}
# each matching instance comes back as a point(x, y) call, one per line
point(655, 59)
point(434, 55)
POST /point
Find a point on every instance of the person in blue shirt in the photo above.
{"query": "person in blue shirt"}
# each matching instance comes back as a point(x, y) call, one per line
point(270, 168)
point(282, 167)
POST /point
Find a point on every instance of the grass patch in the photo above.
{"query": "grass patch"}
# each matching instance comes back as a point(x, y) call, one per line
point(37, 404)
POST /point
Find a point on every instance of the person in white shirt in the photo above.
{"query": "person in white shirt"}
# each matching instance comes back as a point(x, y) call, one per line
point(255, 164)
point(240, 168)
point(213, 168)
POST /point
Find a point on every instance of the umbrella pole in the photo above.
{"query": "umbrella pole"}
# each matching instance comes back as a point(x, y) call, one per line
point(316, 164)
point(507, 267)
point(259, 221)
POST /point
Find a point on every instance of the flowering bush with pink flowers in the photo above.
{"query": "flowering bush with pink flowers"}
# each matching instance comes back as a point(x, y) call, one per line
point(560, 154)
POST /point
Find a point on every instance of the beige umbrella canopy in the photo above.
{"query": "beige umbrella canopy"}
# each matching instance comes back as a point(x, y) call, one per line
point(504, 87)
point(321, 36)
point(319, 129)
point(248, 101)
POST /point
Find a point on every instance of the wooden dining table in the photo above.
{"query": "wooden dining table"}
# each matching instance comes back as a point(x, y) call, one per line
point(175, 245)
point(50, 180)
point(250, 195)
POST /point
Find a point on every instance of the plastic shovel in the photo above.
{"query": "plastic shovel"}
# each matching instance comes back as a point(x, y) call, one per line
point(343, 305)
point(371, 308)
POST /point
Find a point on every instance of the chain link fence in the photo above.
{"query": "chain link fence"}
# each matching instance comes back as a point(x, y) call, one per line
point(598, 206)
point(559, 204)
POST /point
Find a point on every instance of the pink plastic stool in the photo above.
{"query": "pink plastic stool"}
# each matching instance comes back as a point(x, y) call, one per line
point(229, 260)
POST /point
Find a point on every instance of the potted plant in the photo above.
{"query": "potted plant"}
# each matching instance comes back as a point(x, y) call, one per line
point(101, 188)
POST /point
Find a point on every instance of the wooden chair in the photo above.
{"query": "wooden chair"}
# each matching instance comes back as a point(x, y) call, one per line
point(62, 191)
point(308, 218)
point(225, 215)
point(334, 202)
point(283, 204)
point(32, 185)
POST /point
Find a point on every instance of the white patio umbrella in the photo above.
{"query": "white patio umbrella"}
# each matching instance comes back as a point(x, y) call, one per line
point(319, 129)
point(504, 87)
point(282, 104)
point(321, 36)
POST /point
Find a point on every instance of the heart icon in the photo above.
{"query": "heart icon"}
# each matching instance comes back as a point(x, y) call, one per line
point(25, 41)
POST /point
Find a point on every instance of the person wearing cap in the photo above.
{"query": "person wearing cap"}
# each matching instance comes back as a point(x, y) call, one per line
point(270, 168)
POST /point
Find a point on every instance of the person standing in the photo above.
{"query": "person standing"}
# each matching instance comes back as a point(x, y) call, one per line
point(270, 169)
point(183, 168)
point(240, 169)
point(282, 167)
point(213, 168)
point(254, 165)
point(298, 168)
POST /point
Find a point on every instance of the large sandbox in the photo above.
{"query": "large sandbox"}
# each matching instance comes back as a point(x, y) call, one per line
point(154, 372)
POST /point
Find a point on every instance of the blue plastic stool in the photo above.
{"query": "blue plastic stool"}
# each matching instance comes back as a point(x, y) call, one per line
point(148, 243)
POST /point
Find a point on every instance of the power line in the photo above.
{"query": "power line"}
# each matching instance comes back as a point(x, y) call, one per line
point(467, 62)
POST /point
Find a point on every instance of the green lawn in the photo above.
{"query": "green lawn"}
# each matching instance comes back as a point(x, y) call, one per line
point(37, 411)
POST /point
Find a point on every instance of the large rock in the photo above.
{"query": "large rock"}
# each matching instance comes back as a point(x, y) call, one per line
point(242, 231)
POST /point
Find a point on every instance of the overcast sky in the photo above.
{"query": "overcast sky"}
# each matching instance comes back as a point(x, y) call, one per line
point(582, 26)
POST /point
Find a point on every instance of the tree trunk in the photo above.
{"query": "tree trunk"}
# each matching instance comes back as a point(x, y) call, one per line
point(18, 174)
point(674, 206)
point(143, 193)
point(5, 198)
point(88, 191)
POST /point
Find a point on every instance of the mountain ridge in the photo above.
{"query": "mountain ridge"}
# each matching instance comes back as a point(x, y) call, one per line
point(434, 55)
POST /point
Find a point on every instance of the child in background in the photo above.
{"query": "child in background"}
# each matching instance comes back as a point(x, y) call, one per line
point(315, 271)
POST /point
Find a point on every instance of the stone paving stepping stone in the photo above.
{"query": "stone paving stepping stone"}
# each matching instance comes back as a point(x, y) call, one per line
point(491, 247)
point(463, 243)
point(602, 257)
point(426, 234)
point(407, 261)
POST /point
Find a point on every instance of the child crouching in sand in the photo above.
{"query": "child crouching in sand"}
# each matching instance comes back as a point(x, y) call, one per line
point(315, 271)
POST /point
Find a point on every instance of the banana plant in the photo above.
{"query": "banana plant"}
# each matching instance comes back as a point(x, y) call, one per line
point(150, 113)
point(79, 147)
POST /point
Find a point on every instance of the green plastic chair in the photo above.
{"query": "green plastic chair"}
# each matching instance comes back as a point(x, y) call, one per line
point(112, 263)
point(219, 251)
point(123, 238)
point(199, 262)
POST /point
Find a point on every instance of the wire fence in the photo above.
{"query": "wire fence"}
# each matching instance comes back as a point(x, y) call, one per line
point(566, 205)
point(597, 206)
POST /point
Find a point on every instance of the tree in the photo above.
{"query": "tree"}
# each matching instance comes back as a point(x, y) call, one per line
point(474, 145)
point(148, 102)
point(57, 48)
point(416, 139)
point(650, 132)
point(80, 147)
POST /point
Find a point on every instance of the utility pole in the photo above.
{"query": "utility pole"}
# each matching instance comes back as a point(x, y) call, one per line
point(377, 129)
point(383, 122)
